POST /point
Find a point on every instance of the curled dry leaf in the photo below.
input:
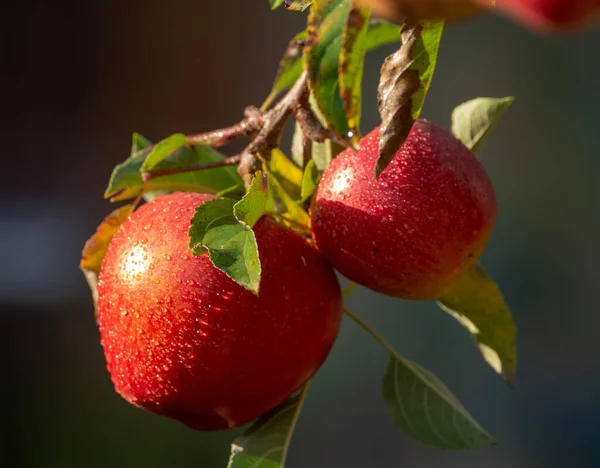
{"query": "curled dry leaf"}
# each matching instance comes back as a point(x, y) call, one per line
point(95, 248)
point(297, 5)
point(404, 82)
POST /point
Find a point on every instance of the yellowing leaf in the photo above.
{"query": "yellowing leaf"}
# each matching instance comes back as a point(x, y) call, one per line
point(477, 303)
point(287, 173)
point(283, 204)
point(95, 248)
point(473, 120)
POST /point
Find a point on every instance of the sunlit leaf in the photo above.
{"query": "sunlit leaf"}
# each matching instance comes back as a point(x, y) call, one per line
point(326, 23)
point(95, 248)
point(473, 120)
point(352, 57)
point(138, 143)
point(287, 173)
point(477, 303)
point(298, 147)
point(252, 205)
point(162, 150)
point(266, 443)
point(310, 180)
point(380, 33)
point(282, 203)
point(126, 181)
point(275, 4)
point(320, 153)
point(297, 5)
point(421, 405)
point(405, 79)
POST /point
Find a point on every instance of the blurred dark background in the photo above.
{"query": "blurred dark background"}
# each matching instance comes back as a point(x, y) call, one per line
point(79, 77)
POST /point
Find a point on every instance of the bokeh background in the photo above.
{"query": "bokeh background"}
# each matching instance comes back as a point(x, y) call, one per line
point(79, 77)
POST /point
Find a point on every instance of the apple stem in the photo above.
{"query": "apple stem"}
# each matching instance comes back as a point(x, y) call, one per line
point(373, 333)
point(288, 439)
point(351, 287)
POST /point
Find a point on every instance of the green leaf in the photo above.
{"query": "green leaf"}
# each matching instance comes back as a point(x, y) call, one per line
point(231, 244)
point(477, 303)
point(310, 180)
point(126, 181)
point(282, 203)
point(290, 66)
point(421, 405)
point(350, 71)
point(380, 33)
point(162, 150)
point(275, 4)
point(252, 205)
point(405, 79)
point(326, 23)
point(320, 153)
point(266, 443)
point(297, 149)
point(286, 172)
point(473, 120)
point(138, 142)
point(233, 191)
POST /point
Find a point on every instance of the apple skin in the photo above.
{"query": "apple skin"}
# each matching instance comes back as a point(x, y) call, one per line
point(543, 15)
point(397, 10)
point(413, 231)
point(548, 15)
point(182, 339)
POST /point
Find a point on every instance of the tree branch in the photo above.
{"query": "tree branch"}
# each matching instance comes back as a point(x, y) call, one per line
point(264, 128)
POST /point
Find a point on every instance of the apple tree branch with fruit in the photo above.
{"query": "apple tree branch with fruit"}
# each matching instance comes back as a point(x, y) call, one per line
point(215, 289)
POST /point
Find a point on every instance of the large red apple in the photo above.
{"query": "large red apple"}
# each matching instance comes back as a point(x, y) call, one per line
point(183, 340)
point(548, 14)
point(413, 231)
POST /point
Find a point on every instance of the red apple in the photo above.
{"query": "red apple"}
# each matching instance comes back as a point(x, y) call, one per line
point(548, 14)
point(397, 10)
point(413, 231)
point(184, 340)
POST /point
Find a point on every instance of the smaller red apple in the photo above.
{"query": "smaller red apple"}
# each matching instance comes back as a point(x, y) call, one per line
point(414, 230)
point(397, 10)
point(548, 15)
